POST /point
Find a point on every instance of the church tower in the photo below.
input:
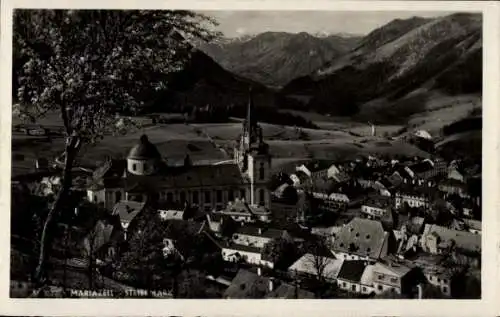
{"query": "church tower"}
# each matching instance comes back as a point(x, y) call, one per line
point(253, 158)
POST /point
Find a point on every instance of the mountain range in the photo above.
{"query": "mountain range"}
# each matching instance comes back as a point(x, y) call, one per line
point(386, 76)
point(403, 59)
point(274, 58)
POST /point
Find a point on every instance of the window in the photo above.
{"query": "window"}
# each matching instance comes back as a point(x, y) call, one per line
point(219, 196)
point(170, 197)
point(381, 276)
point(195, 198)
point(439, 280)
point(95, 198)
point(344, 284)
point(261, 197)
point(207, 197)
point(242, 193)
point(134, 167)
point(379, 287)
point(364, 289)
point(145, 167)
point(231, 195)
point(118, 196)
point(445, 289)
point(261, 171)
point(353, 287)
point(183, 197)
point(445, 281)
point(394, 280)
point(367, 236)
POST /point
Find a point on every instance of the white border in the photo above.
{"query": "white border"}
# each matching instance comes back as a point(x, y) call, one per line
point(489, 304)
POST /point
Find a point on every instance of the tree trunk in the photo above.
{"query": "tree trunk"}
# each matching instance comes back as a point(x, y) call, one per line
point(71, 151)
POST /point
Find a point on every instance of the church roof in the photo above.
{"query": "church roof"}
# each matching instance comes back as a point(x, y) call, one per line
point(194, 176)
point(144, 150)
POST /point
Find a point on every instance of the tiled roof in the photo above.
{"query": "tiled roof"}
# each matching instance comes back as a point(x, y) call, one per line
point(392, 268)
point(270, 233)
point(421, 167)
point(316, 166)
point(110, 168)
point(127, 210)
point(411, 190)
point(288, 291)
point(247, 284)
point(464, 239)
point(241, 247)
point(244, 208)
point(361, 236)
point(378, 201)
point(171, 176)
point(195, 176)
point(352, 270)
point(306, 264)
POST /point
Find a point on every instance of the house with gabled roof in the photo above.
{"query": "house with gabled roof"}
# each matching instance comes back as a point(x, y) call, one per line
point(306, 266)
point(288, 291)
point(127, 211)
point(438, 240)
point(362, 239)
point(413, 196)
point(356, 276)
point(236, 253)
point(376, 206)
point(391, 275)
point(257, 236)
point(247, 284)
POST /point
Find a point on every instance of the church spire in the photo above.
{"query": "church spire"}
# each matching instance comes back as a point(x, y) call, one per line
point(251, 121)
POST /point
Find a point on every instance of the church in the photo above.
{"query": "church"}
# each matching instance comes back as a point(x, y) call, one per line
point(210, 187)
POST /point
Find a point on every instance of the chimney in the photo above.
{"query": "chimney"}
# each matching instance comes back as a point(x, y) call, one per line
point(259, 271)
point(271, 284)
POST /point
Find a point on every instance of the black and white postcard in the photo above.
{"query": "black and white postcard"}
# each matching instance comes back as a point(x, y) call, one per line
point(316, 158)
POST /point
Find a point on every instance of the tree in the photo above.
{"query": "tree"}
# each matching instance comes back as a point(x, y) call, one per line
point(89, 65)
point(144, 263)
point(319, 256)
point(282, 252)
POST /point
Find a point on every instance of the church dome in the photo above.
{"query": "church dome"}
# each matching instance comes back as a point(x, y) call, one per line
point(144, 150)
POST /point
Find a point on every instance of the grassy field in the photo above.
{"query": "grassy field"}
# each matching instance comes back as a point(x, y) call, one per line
point(338, 138)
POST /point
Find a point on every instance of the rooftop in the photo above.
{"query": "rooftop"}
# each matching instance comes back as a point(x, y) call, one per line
point(361, 236)
point(255, 231)
point(289, 291)
point(463, 239)
point(306, 264)
point(127, 210)
point(247, 284)
point(352, 270)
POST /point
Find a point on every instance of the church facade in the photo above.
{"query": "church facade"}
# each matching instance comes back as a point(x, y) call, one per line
point(210, 187)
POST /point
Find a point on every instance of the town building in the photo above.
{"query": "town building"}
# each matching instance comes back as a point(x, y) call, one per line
point(307, 267)
point(376, 207)
point(356, 276)
point(412, 196)
point(257, 236)
point(440, 240)
point(243, 212)
point(127, 211)
point(207, 186)
point(236, 253)
point(393, 277)
point(362, 239)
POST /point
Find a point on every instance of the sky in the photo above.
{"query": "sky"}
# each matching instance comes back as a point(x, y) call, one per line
point(238, 23)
